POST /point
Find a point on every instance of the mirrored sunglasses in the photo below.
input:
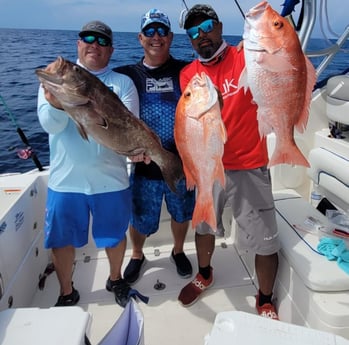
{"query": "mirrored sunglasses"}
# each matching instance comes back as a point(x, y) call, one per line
point(161, 30)
point(206, 26)
point(102, 41)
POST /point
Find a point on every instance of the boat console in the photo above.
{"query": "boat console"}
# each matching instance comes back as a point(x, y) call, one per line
point(329, 159)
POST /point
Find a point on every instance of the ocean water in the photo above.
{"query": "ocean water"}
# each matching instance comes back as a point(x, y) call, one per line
point(24, 50)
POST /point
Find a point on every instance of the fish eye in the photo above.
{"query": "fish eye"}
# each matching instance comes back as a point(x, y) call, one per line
point(187, 94)
point(278, 24)
point(76, 69)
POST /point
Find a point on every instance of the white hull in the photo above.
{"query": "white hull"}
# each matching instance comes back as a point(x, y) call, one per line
point(310, 290)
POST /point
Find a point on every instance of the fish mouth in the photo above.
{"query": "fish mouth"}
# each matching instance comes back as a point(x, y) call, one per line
point(46, 77)
point(257, 10)
point(52, 73)
point(251, 36)
point(201, 81)
point(254, 13)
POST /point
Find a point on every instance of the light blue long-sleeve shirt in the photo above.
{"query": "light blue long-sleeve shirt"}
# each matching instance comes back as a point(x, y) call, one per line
point(78, 165)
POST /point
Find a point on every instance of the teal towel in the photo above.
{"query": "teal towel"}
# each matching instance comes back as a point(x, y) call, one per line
point(335, 249)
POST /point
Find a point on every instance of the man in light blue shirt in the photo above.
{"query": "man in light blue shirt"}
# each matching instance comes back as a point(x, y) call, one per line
point(87, 178)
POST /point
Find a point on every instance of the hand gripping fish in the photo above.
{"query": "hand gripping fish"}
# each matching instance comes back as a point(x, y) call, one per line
point(281, 79)
point(98, 112)
point(200, 136)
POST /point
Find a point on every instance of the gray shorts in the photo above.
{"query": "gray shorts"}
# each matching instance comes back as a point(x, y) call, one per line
point(249, 194)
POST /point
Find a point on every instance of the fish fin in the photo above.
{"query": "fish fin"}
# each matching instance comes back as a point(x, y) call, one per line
point(103, 123)
point(196, 110)
point(204, 212)
point(220, 174)
point(190, 182)
point(264, 128)
point(223, 132)
point(290, 154)
point(220, 98)
point(311, 79)
point(274, 62)
point(243, 82)
point(171, 169)
point(82, 131)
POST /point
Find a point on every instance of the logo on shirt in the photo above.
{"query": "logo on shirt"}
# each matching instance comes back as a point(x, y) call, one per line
point(161, 85)
point(229, 88)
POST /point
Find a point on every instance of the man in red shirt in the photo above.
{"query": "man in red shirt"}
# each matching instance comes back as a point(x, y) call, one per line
point(245, 159)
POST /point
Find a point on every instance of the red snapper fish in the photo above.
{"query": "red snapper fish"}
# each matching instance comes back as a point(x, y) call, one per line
point(200, 136)
point(281, 79)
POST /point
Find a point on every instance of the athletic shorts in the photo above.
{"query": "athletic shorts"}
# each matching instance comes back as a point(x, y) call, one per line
point(250, 195)
point(67, 218)
point(147, 196)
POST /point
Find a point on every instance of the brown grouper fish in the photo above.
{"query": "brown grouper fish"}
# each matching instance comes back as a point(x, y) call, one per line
point(98, 112)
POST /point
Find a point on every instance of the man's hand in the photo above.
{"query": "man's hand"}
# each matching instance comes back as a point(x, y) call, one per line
point(142, 157)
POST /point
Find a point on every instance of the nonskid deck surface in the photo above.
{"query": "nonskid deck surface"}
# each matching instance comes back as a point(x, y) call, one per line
point(165, 320)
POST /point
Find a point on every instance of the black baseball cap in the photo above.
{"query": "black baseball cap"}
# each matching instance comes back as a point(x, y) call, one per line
point(200, 10)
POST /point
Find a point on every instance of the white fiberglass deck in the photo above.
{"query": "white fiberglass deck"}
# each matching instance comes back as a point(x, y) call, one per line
point(165, 320)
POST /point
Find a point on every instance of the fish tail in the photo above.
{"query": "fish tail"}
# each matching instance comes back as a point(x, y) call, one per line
point(172, 171)
point(289, 155)
point(204, 212)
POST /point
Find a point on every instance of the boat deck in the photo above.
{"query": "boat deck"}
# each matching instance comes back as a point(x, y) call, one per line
point(165, 320)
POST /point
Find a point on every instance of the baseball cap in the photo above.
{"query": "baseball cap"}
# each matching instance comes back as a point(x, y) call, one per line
point(200, 10)
point(155, 16)
point(97, 27)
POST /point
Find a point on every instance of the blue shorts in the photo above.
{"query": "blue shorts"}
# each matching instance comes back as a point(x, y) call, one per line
point(147, 198)
point(67, 218)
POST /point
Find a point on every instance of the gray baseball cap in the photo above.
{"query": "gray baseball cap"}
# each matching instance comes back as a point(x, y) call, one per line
point(97, 27)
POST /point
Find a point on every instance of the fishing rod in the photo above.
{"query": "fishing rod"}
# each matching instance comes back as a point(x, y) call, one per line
point(22, 135)
point(240, 9)
point(185, 4)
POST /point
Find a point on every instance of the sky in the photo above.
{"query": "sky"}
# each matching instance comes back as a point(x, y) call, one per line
point(124, 15)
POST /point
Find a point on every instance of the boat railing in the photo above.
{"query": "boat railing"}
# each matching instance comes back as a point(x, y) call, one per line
point(330, 52)
point(305, 30)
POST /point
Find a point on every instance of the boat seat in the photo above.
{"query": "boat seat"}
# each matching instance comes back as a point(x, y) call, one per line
point(337, 96)
point(329, 171)
point(299, 244)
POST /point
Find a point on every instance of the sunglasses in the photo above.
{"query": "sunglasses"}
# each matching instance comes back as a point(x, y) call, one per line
point(102, 41)
point(206, 26)
point(161, 30)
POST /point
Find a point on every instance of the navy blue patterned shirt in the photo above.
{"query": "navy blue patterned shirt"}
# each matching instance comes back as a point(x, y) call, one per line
point(159, 92)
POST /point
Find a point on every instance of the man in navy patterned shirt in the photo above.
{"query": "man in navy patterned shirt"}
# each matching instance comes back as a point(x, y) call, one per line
point(156, 78)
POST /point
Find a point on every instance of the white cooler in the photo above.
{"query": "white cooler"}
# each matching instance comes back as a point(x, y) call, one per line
point(235, 327)
point(52, 326)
